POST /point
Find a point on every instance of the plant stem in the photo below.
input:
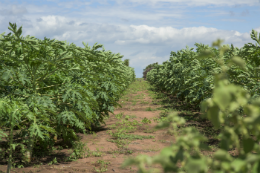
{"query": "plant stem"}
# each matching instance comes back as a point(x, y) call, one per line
point(10, 145)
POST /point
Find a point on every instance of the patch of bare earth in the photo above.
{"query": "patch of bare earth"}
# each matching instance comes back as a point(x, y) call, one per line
point(107, 152)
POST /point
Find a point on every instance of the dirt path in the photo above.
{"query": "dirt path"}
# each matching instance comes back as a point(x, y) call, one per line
point(119, 139)
point(135, 108)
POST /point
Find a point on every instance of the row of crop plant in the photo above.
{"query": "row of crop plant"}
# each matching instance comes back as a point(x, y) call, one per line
point(235, 81)
point(191, 78)
point(50, 88)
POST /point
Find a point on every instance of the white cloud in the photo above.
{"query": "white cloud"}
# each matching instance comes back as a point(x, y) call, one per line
point(120, 42)
point(143, 31)
point(194, 2)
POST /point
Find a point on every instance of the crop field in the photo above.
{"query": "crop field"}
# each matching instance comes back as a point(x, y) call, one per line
point(69, 109)
point(127, 133)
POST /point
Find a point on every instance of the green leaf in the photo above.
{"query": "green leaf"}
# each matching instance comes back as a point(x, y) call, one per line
point(2, 134)
point(248, 144)
point(14, 145)
point(222, 155)
point(251, 158)
point(222, 97)
point(238, 164)
point(167, 152)
point(213, 115)
point(239, 62)
point(226, 165)
point(196, 165)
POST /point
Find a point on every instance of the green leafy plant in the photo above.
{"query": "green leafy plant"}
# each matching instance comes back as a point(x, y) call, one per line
point(79, 150)
point(53, 162)
point(103, 165)
point(164, 113)
point(119, 116)
point(146, 121)
point(148, 109)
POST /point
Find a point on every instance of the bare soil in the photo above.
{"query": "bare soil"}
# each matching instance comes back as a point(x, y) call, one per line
point(107, 153)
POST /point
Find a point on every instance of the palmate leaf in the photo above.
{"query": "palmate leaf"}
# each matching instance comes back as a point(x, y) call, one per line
point(2, 134)
point(35, 130)
point(7, 75)
point(41, 107)
point(104, 96)
point(85, 107)
point(43, 102)
point(48, 129)
point(70, 93)
point(82, 116)
point(22, 77)
point(68, 117)
point(4, 106)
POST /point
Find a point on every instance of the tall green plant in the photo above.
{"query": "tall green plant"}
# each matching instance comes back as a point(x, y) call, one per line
point(12, 111)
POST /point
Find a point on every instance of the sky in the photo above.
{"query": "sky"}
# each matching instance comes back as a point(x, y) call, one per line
point(144, 31)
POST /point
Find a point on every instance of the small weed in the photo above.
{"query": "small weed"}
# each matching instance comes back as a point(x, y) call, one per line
point(129, 152)
point(60, 148)
point(94, 134)
point(122, 143)
point(146, 121)
point(159, 119)
point(53, 162)
point(149, 130)
point(143, 102)
point(164, 113)
point(20, 166)
point(79, 150)
point(163, 141)
point(103, 166)
point(148, 109)
point(127, 117)
point(96, 154)
point(36, 166)
point(119, 116)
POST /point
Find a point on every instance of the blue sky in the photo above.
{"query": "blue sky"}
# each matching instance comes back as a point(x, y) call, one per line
point(144, 31)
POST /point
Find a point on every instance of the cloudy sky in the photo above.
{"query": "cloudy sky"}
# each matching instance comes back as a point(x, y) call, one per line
point(144, 31)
